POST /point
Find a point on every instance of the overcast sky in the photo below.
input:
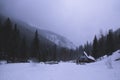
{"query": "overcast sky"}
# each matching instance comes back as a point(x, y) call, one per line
point(78, 20)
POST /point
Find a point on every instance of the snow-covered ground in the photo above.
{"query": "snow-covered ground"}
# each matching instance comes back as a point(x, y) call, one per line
point(106, 69)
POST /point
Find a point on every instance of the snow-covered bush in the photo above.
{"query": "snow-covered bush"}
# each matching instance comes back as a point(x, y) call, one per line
point(3, 62)
point(109, 63)
point(33, 62)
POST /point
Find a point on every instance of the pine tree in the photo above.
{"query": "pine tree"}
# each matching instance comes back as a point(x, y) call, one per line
point(7, 33)
point(1, 39)
point(35, 47)
point(23, 50)
point(88, 48)
point(118, 42)
point(110, 43)
point(101, 46)
point(15, 43)
point(95, 48)
point(7, 39)
point(1, 36)
point(54, 52)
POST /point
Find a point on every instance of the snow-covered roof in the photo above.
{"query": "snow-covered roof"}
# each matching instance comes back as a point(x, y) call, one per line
point(89, 57)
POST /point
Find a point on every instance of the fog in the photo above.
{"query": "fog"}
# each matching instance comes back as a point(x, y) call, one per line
point(77, 20)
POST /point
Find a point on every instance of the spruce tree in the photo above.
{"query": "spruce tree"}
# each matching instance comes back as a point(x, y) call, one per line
point(35, 47)
point(54, 52)
point(101, 45)
point(88, 48)
point(95, 48)
point(7, 39)
point(110, 43)
point(1, 36)
point(15, 44)
point(23, 50)
point(118, 42)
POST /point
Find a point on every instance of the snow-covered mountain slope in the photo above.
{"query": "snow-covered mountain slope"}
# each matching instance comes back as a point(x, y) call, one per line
point(102, 70)
point(51, 36)
point(57, 39)
point(44, 35)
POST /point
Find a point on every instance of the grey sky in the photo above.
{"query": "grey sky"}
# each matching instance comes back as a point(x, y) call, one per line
point(78, 20)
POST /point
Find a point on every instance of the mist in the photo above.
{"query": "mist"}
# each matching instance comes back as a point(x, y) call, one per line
point(77, 20)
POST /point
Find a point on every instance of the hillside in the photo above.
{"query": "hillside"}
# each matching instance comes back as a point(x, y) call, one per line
point(20, 42)
point(45, 36)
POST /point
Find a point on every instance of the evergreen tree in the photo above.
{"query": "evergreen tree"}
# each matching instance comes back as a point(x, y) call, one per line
point(1, 36)
point(1, 43)
point(101, 46)
point(54, 52)
point(110, 43)
point(88, 48)
point(95, 48)
point(35, 47)
point(7, 39)
point(118, 42)
point(23, 50)
point(15, 43)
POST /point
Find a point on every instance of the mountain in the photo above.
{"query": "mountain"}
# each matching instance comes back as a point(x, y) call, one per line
point(45, 36)
point(51, 36)
point(56, 38)
point(117, 31)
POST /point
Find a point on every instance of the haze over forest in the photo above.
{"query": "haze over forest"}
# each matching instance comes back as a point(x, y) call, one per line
point(78, 20)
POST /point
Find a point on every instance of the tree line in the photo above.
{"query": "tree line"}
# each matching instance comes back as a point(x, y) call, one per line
point(104, 44)
point(16, 48)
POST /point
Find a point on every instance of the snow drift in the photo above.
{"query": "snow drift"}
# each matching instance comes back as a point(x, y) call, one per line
point(63, 71)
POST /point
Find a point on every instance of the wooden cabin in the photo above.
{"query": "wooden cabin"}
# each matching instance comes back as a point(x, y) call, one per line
point(85, 58)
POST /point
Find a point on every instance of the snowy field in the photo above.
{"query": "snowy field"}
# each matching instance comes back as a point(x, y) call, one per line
point(106, 69)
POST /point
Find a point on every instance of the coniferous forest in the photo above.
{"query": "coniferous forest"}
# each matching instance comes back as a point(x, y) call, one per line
point(15, 47)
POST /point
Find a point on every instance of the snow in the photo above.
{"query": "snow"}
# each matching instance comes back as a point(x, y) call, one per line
point(55, 38)
point(3, 62)
point(90, 57)
point(59, 40)
point(63, 71)
point(116, 55)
